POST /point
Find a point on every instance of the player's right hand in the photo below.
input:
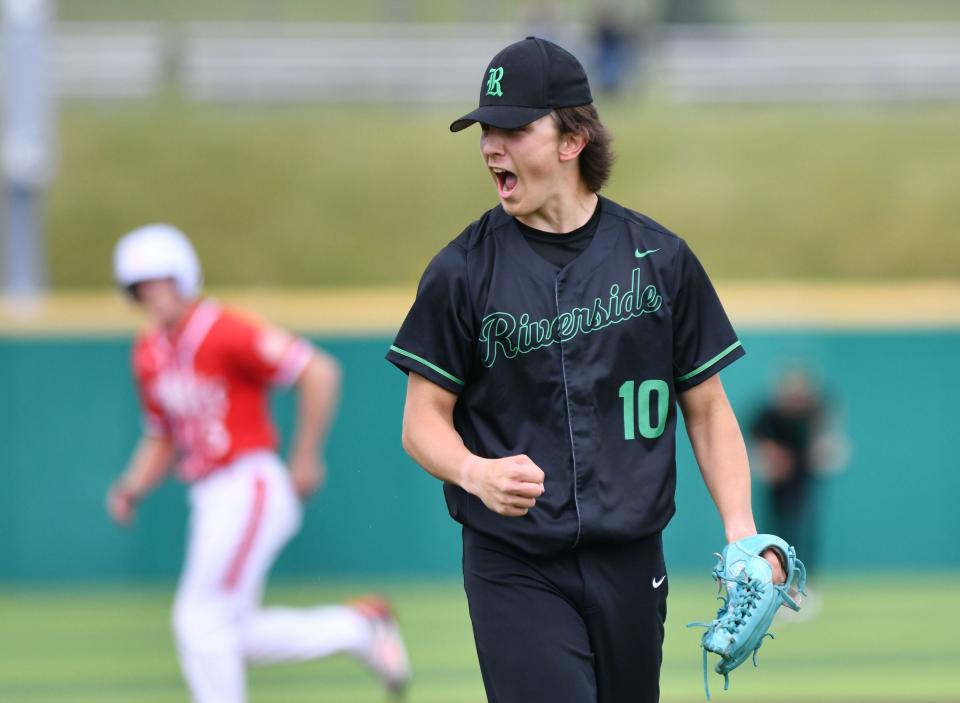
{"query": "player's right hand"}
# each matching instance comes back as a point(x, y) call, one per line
point(121, 504)
point(507, 486)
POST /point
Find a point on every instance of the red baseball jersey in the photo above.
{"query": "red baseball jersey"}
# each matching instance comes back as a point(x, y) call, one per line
point(205, 386)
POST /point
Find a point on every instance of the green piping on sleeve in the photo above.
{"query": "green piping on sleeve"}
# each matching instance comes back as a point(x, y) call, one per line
point(710, 363)
point(427, 364)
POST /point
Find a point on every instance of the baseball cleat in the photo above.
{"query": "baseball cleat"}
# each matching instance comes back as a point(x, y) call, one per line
point(386, 655)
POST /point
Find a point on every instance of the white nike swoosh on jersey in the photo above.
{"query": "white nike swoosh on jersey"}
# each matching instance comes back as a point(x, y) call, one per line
point(657, 582)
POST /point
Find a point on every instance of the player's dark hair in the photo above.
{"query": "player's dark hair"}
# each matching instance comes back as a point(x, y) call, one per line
point(596, 159)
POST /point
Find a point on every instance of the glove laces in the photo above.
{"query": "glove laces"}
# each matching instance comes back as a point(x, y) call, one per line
point(740, 602)
point(743, 597)
point(734, 611)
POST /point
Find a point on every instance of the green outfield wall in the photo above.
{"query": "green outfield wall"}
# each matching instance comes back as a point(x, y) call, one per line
point(69, 419)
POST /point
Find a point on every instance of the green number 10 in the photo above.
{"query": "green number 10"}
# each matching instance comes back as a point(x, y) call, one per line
point(644, 405)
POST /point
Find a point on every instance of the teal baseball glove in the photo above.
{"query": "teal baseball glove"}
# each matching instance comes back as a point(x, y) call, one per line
point(751, 600)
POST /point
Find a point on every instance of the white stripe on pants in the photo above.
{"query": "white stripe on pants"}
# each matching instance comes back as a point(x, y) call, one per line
point(241, 517)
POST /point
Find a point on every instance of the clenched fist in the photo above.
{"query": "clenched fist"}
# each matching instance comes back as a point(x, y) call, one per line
point(509, 486)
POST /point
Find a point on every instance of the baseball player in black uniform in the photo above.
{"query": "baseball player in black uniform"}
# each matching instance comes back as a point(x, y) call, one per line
point(547, 350)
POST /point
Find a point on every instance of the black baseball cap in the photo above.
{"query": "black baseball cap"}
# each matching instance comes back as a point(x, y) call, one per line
point(524, 82)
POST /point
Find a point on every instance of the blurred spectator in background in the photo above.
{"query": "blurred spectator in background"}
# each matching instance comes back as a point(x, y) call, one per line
point(617, 38)
point(796, 440)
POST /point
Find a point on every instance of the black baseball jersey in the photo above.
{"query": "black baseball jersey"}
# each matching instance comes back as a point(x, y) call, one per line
point(578, 368)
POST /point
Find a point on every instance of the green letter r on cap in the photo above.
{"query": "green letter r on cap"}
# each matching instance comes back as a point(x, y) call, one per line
point(493, 83)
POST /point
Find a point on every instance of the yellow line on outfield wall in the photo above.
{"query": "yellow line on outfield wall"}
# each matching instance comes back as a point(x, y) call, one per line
point(854, 305)
point(379, 310)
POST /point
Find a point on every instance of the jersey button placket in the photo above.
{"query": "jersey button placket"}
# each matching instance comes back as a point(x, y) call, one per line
point(558, 284)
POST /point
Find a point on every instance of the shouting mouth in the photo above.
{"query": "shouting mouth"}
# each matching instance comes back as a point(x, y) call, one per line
point(506, 181)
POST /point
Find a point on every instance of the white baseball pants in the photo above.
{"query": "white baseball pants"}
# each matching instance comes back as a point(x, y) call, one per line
point(241, 517)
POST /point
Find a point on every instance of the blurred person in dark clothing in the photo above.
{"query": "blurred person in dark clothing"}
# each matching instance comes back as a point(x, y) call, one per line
point(793, 442)
point(617, 40)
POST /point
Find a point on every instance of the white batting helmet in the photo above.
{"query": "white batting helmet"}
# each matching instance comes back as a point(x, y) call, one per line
point(157, 251)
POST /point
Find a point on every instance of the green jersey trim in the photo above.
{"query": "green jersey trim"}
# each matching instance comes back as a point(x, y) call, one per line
point(707, 365)
point(426, 363)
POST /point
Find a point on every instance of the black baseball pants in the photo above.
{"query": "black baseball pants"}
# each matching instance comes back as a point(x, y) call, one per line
point(582, 627)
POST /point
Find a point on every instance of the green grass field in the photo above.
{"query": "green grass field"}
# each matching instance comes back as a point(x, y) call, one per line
point(495, 11)
point(875, 639)
point(319, 196)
